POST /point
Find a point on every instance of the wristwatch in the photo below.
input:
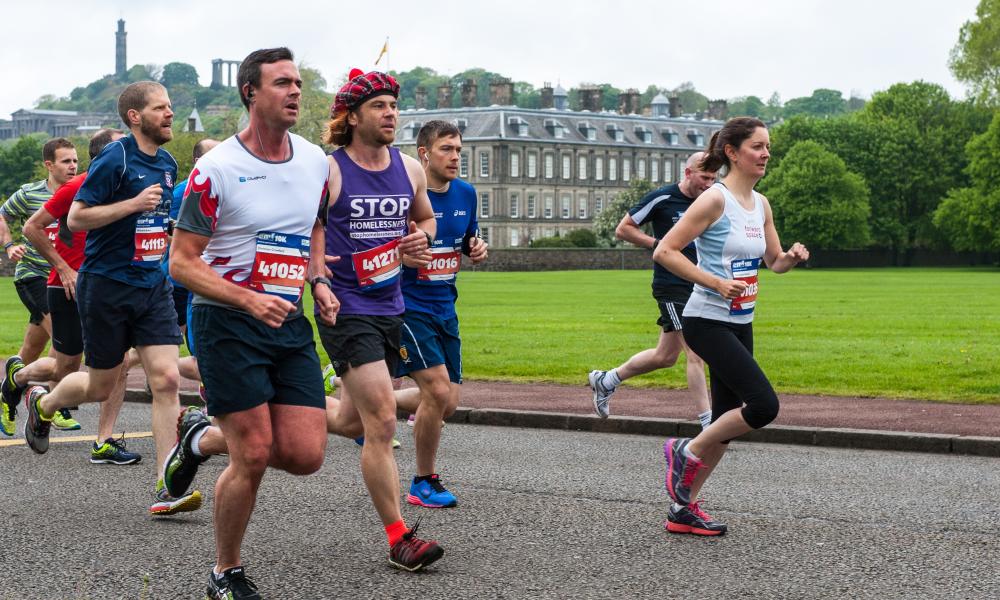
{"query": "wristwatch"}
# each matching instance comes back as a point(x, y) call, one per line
point(430, 239)
point(318, 280)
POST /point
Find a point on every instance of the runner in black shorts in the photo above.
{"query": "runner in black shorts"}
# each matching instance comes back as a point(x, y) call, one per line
point(662, 207)
point(246, 257)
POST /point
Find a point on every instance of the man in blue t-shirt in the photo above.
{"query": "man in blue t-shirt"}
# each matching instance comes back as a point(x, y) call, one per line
point(122, 296)
point(662, 207)
point(431, 349)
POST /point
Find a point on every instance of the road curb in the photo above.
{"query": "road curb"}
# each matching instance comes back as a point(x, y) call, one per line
point(869, 439)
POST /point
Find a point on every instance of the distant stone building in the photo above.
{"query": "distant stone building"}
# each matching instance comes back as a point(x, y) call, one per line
point(542, 172)
point(55, 123)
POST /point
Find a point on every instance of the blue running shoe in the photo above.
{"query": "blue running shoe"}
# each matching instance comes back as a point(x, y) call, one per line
point(113, 452)
point(428, 492)
point(681, 469)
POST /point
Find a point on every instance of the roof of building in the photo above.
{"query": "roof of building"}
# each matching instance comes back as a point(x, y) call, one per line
point(565, 127)
point(660, 99)
point(46, 113)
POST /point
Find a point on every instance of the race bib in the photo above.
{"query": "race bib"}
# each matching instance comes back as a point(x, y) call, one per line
point(745, 270)
point(377, 267)
point(52, 231)
point(444, 265)
point(280, 264)
point(150, 239)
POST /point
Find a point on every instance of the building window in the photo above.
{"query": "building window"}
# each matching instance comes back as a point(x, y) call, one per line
point(566, 173)
point(612, 169)
point(515, 238)
point(640, 168)
point(463, 165)
point(484, 164)
point(484, 234)
point(548, 207)
point(515, 164)
point(598, 205)
point(565, 206)
point(581, 167)
point(581, 207)
point(531, 206)
point(654, 170)
point(484, 205)
point(532, 164)
point(626, 169)
point(514, 208)
point(668, 171)
point(550, 166)
point(591, 133)
point(407, 134)
point(619, 135)
point(598, 168)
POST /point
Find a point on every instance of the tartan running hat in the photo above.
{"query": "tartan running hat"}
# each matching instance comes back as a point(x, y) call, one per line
point(360, 87)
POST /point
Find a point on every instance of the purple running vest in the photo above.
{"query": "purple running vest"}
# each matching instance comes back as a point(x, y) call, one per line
point(363, 225)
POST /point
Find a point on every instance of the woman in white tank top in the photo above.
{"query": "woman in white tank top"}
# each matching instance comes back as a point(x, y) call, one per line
point(733, 228)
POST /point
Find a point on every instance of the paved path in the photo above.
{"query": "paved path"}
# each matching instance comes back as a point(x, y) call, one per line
point(544, 514)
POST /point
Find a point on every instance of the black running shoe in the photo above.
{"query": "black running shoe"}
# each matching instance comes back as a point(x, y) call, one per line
point(182, 464)
point(691, 519)
point(411, 553)
point(233, 584)
point(36, 430)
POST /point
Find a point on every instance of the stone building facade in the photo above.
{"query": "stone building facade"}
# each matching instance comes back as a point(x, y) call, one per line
point(543, 172)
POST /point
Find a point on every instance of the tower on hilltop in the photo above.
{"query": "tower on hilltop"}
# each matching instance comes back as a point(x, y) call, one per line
point(120, 66)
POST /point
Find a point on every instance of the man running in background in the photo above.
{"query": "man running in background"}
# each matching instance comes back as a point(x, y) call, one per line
point(431, 349)
point(32, 272)
point(66, 255)
point(662, 207)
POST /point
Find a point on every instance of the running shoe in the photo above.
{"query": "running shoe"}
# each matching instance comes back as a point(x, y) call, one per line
point(411, 420)
point(113, 452)
point(429, 493)
point(691, 519)
point(63, 420)
point(8, 418)
point(361, 442)
point(411, 553)
point(164, 504)
point(681, 469)
point(182, 463)
point(602, 393)
point(36, 430)
point(328, 376)
point(233, 584)
point(9, 390)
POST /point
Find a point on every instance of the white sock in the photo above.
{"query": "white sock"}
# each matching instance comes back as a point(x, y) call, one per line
point(705, 418)
point(196, 440)
point(689, 454)
point(611, 379)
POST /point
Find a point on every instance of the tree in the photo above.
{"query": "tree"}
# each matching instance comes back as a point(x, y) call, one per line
point(970, 217)
point(607, 220)
point(822, 103)
point(975, 59)
point(314, 107)
point(582, 238)
point(177, 73)
point(817, 201)
point(691, 99)
point(747, 106)
point(19, 162)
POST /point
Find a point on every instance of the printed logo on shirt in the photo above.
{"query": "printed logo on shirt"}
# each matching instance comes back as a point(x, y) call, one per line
point(252, 178)
point(378, 218)
point(168, 178)
point(754, 232)
point(459, 213)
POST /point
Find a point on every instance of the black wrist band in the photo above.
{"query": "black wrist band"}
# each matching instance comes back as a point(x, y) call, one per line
point(318, 280)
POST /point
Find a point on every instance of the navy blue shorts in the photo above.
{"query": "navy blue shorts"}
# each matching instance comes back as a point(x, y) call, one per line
point(181, 304)
point(427, 341)
point(245, 363)
point(116, 316)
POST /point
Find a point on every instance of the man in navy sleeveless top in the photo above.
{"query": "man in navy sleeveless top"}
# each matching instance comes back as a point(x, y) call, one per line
point(378, 213)
point(431, 350)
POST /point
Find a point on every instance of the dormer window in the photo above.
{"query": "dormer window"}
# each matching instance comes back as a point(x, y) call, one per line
point(615, 132)
point(671, 136)
point(557, 129)
point(587, 130)
point(410, 130)
point(461, 124)
point(697, 138)
point(644, 134)
point(518, 125)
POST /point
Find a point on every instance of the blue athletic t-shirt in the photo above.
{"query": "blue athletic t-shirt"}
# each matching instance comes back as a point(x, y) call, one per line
point(128, 250)
point(175, 209)
point(664, 207)
point(432, 289)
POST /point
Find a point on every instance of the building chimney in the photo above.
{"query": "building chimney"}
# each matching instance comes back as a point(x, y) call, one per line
point(718, 109)
point(502, 92)
point(591, 98)
point(470, 93)
point(444, 96)
point(675, 106)
point(420, 97)
point(628, 102)
point(546, 94)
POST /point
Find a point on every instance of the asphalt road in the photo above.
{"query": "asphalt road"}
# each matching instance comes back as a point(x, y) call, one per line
point(543, 514)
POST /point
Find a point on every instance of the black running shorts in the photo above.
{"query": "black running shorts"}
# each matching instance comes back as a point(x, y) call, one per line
point(358, 340)
point(671, 300)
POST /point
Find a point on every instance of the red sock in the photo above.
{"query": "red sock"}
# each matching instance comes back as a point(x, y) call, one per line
point(395, 531)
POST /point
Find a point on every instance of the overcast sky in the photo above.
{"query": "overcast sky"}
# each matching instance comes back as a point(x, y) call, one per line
point(732, 48)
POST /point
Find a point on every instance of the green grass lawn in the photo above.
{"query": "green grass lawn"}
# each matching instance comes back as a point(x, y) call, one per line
point(907, 333)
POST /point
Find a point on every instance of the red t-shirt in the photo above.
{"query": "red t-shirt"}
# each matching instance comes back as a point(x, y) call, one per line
point(58, 206)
